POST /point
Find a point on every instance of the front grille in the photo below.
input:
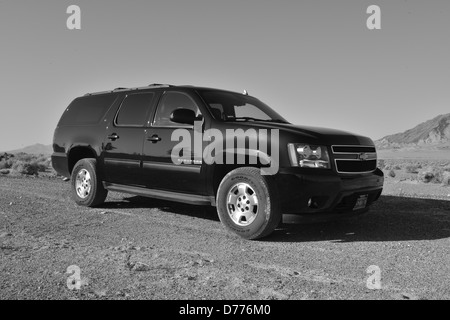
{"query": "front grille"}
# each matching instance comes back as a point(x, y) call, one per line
point(354, 159)
point(356, 166)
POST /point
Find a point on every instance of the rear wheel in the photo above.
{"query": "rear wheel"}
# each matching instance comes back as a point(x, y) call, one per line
point(87, 188)
point(247, 203)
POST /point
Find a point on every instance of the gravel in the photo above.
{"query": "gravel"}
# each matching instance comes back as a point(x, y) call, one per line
point(139, 248)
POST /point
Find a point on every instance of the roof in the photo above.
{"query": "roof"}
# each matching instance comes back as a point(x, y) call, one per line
point(152, 86)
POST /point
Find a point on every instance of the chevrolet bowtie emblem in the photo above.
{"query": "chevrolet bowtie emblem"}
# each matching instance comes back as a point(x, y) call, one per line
point(363, 156)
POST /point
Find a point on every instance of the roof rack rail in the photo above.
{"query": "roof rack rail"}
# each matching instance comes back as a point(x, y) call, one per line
point(95, 93)
point(138, 88)
point(159, 85)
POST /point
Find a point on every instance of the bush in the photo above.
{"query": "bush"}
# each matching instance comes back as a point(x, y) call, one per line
point(391, 173)
point(381, 164)
point(43, 165)
point(6, 162)
point(28, 168)
point(447, 168)
point(412, 168)
point(4, 171)
point(431, 174)
point(446, 178)
point(397, 167)
point(25, 163)
point(25, 157)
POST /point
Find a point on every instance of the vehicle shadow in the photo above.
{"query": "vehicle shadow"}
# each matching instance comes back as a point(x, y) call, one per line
point(391, 218)
point(139, 202)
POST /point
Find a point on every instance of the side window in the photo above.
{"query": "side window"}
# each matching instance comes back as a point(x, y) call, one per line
point(135, 110)
point(170, 102)
point(87, 110)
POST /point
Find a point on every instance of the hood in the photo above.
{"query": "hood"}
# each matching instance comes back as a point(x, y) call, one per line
point(309, 134)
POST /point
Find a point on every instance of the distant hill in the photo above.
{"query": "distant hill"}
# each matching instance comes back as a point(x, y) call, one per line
point(432, 132)
point(35, 149)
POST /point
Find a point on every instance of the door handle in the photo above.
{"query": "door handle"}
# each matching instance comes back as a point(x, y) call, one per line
point(154, 138)
point(113, 136)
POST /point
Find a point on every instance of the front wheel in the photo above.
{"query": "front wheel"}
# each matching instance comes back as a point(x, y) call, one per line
point(87, 188)
point(247, 203)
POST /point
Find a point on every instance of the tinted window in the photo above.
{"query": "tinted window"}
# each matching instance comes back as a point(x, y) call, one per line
point(134, 109)
point(229, 106)
point(249, 110)
point(87, 110)
point(170, 102)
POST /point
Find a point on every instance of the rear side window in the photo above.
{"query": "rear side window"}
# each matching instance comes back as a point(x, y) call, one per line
point(135, 110)
point(87, 110)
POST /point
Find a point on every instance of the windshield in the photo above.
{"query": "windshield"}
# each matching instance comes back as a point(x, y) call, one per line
point(229, 106)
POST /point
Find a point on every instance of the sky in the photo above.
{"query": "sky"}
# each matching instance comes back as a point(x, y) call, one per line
point(315, 62)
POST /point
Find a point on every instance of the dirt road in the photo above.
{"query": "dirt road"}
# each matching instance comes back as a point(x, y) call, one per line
point(135, 248)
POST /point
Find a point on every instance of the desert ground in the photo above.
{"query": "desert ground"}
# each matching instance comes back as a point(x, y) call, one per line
point(140, 248)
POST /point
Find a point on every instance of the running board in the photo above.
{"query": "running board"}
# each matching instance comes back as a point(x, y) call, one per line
point(160, 194)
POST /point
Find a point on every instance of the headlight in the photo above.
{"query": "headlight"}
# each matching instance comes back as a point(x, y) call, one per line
point(308, 156)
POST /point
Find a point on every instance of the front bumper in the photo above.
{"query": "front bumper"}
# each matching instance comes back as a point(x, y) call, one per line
point(316, 191)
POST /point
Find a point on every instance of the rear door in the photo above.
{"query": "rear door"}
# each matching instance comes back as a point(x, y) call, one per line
point(125, 137)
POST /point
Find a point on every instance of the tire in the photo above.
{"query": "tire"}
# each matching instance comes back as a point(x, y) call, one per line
point(248, 204)
point(87, 188)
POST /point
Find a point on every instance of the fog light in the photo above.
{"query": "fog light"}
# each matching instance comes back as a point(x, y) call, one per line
point(312, 203)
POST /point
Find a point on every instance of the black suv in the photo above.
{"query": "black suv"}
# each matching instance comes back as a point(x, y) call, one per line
point(214, 147)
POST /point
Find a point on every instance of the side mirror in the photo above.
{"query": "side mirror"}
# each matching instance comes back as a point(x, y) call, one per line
point(184, 116)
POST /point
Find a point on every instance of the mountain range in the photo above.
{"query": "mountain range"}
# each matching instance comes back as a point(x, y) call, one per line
point(37, 148)
point(433, 132)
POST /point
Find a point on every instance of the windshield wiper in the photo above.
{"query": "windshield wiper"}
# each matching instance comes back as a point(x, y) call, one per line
point(244, 119)
point(275, 120)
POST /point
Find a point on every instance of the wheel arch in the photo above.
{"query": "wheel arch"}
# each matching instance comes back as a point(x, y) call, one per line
point(79, 152)
point(219, 171)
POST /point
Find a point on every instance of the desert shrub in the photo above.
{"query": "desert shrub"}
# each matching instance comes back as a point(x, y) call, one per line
point(412, 168)
point(6, 156)
point(447, 168)
point(430, 174)
point(43, 165)
point(28, 168)
point(446, 178)
point(397, 167)
point(6, 161)
point(4, 171)
point(391, 173)
point(25, 157)
point(381, 163)
point(26, 163)
point(10, 162)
